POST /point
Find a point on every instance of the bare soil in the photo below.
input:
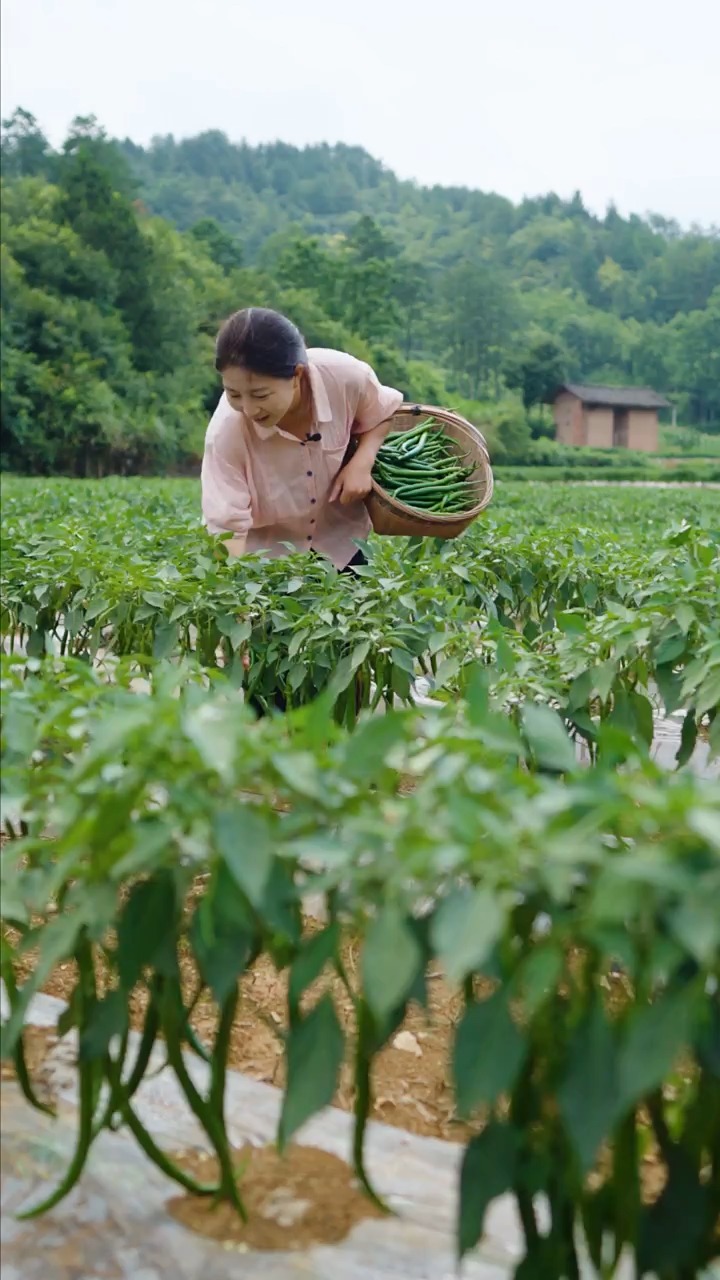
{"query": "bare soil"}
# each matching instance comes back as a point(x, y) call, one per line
point(293, 1201)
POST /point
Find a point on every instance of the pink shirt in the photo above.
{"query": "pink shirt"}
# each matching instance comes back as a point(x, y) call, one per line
point(267, 484)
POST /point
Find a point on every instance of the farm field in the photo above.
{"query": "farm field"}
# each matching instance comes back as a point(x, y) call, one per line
point(506, 877)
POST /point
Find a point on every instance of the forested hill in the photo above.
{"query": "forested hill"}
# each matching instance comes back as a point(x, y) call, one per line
point(119, 262)
point(647, 268)
point(627, 298)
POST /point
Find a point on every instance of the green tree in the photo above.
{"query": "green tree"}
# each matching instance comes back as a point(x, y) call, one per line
point(695, 361)
point(480, 318)
point(25, 150)
point(104, 219)
point(536, 372)
point(224, 249)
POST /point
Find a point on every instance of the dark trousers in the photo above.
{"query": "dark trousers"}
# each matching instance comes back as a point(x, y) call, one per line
point(277, 698)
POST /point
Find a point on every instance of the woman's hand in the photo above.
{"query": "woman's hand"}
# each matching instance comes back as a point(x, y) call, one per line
point(353, 483)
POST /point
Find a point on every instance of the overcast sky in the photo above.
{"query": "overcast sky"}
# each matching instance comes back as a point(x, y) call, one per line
point(619, 98)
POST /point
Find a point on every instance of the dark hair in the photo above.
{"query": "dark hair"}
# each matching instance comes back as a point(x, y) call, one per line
point(260, 341)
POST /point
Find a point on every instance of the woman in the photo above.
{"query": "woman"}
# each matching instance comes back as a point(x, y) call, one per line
point(274, 469)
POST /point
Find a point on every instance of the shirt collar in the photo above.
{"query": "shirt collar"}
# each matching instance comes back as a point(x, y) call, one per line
point(264, 433)
point(321, 405)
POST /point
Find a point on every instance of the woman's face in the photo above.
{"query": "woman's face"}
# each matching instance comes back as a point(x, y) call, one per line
point(263, 400)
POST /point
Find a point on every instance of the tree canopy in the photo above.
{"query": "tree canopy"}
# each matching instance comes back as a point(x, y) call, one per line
point(120, 261)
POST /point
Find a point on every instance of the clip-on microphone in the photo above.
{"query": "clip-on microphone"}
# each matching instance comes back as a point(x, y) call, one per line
point(313, 438)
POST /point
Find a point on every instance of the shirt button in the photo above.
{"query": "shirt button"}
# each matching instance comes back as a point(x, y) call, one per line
point(312, 519)
point(309, 473)
point(309, 537)
point(313, 501)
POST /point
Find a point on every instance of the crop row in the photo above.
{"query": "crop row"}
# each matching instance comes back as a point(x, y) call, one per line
point(523, 875)
point(600, 623)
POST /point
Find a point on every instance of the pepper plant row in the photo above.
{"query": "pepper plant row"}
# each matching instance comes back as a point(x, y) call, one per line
point(506, 863)
point(600, 624)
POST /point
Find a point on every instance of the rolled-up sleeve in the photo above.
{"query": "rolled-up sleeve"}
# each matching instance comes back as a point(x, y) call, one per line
point(376, 403)
point(226, 504)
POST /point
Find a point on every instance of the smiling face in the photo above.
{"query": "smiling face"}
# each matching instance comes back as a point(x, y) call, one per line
point(263, 400)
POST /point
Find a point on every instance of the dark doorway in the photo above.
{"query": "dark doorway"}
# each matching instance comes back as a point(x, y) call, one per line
point(620, 428)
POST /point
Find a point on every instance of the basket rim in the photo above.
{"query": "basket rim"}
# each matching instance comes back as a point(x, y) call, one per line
point(417, 410)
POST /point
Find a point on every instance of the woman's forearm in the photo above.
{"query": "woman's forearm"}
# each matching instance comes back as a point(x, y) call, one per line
point(370, 442)
point(236, 545)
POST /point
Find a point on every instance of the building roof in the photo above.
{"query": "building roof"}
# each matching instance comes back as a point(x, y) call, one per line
point(616, 397)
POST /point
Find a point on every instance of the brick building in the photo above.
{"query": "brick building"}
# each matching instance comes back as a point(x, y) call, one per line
point(608, 417)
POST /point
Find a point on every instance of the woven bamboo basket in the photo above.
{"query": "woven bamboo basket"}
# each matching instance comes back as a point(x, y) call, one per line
point(396, 519)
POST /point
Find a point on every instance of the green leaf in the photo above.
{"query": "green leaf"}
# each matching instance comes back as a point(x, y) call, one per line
point(359, 654)
point(73, 621)
point(244, 842)
point(572, 623)
point(708, 695)
point(28, 616)
point(696, 925)
point(146, 928)
point(154, 598)
point(588, 1095)
point(670, 685)
point(675, 1228)
point(314, 954)
point(95, 608)
point(539, 975)
point(239, 633)
point(301, 771)
point(504, 656)
point(464, 930)
point(224, 623)
point(107, 1018)
point(488, 1171)
point(165, 641)
point(447, 670)
point(499, 733)
point(297, 641)
point(488, 1053)
point(548, 739)
point(391, 959)
point(705, 822)
point(685, 615)
point(603, 679)
point(404, 660)
point(580, 690)
point(221, 938)
point(368, 746)
point(652, 1042)
point(213, 732)
point(56, 942)
point(296, 675)
point(21, 724)
point(670, 649)
point(314, 1056)
point(343, 675)
point(477, 694)
point(280, 910)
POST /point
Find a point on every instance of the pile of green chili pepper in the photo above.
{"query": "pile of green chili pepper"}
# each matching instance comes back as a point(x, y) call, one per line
point(419, 468)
